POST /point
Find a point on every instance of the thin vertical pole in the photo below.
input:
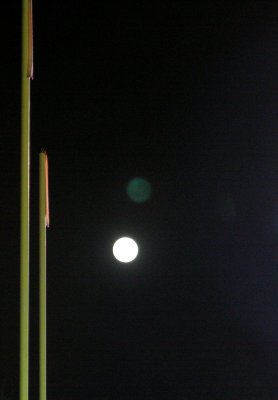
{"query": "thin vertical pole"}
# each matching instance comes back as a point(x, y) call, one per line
point(43, 222)
point(26, 63)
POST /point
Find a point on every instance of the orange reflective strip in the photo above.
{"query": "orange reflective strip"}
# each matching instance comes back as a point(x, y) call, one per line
point(47, 220)
point(30, 40)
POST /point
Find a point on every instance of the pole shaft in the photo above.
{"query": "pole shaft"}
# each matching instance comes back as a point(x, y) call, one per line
point(24, 212)
point(42, 274)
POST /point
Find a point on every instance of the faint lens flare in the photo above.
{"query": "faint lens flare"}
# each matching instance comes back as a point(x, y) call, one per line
point(139, 190)
point(226, 207)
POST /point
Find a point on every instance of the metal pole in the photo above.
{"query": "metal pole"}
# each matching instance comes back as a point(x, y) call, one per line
point(26, 72)
point(43, 223)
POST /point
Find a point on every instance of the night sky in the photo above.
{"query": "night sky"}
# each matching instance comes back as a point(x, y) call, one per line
point(185, 95)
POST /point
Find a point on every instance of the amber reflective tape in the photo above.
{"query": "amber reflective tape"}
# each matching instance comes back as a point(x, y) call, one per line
point(30, 40)
point(47, 220)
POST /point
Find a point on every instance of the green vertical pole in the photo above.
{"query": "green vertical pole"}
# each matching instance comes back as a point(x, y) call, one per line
point(24, 201)
point(43, 222)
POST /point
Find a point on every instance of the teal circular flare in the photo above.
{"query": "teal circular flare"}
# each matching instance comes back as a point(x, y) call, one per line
point(139, 190)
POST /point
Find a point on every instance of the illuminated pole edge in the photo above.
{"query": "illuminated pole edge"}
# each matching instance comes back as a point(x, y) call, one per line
point(43, 223)
point(24, 202)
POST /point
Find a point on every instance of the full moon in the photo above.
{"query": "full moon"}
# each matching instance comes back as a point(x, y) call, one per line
point(125, 249)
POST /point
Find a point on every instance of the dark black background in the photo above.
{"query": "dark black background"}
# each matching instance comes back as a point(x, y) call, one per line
point(185, 95)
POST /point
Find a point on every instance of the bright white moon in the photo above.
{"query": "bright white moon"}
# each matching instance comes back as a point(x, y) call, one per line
point(125, 249)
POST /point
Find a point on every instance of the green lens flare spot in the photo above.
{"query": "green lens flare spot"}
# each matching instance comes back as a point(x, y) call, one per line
point(139, 190)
